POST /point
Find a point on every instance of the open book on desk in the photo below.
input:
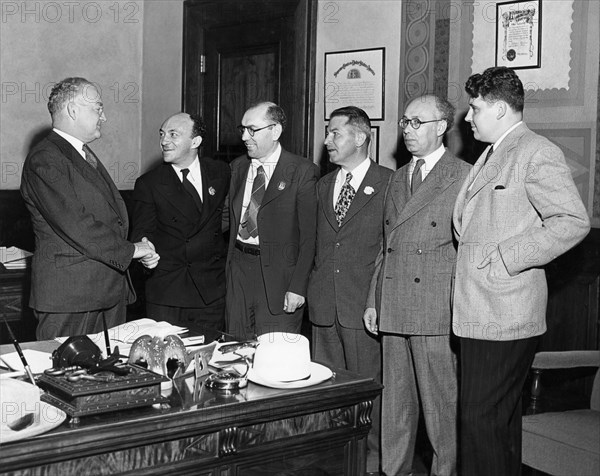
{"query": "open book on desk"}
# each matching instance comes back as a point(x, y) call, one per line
point(125, 334)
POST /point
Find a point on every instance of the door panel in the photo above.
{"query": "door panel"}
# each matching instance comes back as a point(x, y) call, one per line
point(253, 51)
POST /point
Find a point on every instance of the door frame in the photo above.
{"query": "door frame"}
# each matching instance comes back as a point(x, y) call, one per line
point(201, 15)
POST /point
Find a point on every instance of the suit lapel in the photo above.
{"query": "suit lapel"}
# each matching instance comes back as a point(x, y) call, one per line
point(238, 183)
point(440, 178)
point(370, 186)
point(278, 182)
point(326, 198)
point(98, 178)
point(170, 187)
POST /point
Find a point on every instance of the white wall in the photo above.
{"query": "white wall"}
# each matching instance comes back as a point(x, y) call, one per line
point(130, 49)
point(360, 24)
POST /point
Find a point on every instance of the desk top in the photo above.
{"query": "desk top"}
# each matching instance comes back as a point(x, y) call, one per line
point(192, 409)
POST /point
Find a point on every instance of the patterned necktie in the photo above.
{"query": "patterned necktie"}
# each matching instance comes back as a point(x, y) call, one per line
point(417, 177)
point(344, 199)
point(90, 157)
point(190, 189)
point(249, 224)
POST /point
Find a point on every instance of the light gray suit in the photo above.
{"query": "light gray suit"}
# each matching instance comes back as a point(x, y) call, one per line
point(411, 293)
point(524, 210)
point(523, 202)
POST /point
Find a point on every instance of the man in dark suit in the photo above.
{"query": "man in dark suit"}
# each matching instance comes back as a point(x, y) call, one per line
point(79, 271)
point(518, 211)
point(179, 207)
point(272, 229)
point(349, 233)
point(409, 300)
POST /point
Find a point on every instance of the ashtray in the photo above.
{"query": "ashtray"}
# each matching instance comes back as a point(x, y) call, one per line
point(226, 381)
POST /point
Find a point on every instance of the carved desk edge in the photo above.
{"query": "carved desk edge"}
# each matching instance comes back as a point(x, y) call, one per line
point(129, 430)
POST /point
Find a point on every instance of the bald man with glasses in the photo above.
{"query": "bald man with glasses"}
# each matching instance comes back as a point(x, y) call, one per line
point(409, 300)
point(272, 225)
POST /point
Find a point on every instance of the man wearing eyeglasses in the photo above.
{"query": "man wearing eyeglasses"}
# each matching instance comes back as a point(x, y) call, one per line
point(272, 205)
point(409, 299)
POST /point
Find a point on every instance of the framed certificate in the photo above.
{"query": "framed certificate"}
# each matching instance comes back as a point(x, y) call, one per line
point(355, 78)
point(518, 34)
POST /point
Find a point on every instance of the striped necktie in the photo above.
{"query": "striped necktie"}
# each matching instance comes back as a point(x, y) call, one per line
point(249, 224)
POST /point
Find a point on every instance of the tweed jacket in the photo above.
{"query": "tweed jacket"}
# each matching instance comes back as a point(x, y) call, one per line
point(524, 208)
point(411, 285)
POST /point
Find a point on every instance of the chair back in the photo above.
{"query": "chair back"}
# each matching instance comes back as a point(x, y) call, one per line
point(595, 398)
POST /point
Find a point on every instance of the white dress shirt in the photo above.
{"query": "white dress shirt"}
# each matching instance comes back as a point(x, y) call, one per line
point(358, 175)
point(268, 165)
point(194, 176)
point(430, 161)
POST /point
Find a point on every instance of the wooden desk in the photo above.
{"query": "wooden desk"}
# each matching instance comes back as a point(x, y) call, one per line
point(258, 431)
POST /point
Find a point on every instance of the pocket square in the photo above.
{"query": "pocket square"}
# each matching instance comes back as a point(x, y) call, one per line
point(499, 187)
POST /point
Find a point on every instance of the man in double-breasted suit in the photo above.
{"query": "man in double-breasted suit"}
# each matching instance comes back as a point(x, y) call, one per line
point(272, 218)
point(517, 212)
point(179, 207)
point(409, 299)
point(349, 233)
point(79, 271)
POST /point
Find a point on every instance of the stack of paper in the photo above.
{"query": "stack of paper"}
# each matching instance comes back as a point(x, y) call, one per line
point(14, 258)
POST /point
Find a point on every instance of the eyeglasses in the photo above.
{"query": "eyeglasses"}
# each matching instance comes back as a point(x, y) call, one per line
point(414, 122)
point(251, 131)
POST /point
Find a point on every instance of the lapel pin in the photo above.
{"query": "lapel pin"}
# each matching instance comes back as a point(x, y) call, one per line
point(281, 186)
point(211, 191)
point(369, 190)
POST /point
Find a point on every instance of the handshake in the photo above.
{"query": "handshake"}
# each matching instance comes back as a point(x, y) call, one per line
point(146, 253)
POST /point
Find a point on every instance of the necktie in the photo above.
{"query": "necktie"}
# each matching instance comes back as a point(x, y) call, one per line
point(344, 199)
point(190, 189)
point(249, 224)
point(417, 177)
point(90, 157)
point(488, 155)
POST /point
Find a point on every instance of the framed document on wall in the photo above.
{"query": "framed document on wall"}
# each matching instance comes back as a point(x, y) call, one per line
point(355, 78)
point(518, 34)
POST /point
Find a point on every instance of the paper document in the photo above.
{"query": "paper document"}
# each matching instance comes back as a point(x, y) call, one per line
point(38, 361)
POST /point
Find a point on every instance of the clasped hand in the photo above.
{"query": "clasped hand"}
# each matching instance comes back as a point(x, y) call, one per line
point(146, 253)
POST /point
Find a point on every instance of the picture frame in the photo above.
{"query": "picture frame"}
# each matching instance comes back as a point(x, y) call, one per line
point(355, 78)
point(374, 145)
point(518, 34)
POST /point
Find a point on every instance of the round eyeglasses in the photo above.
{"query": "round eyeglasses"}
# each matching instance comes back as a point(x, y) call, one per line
point(251, 131)
point(414, 122)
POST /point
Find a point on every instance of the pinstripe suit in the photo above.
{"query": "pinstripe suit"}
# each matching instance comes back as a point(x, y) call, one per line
point(411, 292)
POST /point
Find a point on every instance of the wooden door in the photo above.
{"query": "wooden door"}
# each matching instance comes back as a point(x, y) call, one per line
point(238, 53)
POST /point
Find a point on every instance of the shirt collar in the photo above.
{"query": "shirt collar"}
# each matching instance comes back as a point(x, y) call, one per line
point(74, 141)
point(497, 143)
point(431, 159)
point(358, 173)
point(269, 163)
point(194, 169)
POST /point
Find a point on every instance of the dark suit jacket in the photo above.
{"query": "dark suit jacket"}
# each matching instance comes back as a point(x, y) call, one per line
point(411, 285)
point(190, 243)
point(80, 224)
point(286, 224)
point(345, 256)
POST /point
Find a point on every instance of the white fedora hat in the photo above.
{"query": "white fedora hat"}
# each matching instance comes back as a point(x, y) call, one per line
point(282, 360)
